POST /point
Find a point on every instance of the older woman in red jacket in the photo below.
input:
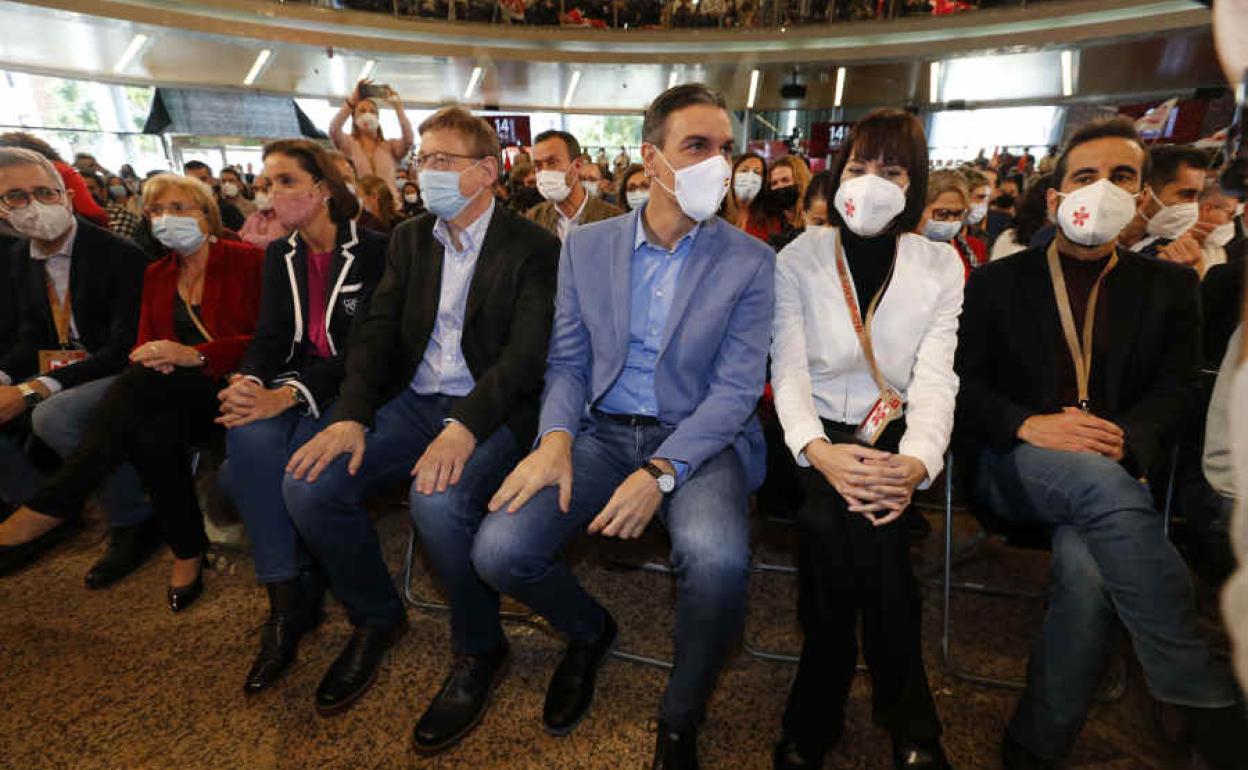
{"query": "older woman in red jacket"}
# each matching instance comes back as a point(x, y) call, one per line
point(200, 306)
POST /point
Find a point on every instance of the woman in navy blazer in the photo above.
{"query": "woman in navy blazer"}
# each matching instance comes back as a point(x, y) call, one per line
point(317, 283)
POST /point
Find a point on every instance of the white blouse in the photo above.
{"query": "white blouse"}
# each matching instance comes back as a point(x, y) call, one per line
point(818, 369)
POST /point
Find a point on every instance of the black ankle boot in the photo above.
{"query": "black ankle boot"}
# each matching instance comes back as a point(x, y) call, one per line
point(290, 617)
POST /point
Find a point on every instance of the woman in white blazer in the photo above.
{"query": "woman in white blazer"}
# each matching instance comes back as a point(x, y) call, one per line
point(858, 467)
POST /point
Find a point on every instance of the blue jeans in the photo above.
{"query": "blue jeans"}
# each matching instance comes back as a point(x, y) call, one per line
point(60, 422)
point(707, 519)
point(1111, 556)
point(448, 523)
point(258, 453)
point(330, 517)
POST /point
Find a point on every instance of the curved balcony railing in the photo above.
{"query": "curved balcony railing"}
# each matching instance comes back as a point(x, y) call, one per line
point(664, 14)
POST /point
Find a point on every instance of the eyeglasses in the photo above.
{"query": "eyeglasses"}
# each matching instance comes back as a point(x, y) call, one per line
point(176, 208)
point(440, 161)
point(20, 199)
point(948, 215)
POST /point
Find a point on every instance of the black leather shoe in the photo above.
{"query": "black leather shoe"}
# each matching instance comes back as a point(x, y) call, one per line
point(14, 557)
point(571, 689)
point(908, 755)
point(185, 596)
point(1015, 757)
point(461, 703)
point(291, 615)
point(788, 756)
point(675, 749)
point(128, 548)
point(355, 668)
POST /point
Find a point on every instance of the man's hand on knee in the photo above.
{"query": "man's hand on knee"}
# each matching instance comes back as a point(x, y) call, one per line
point(325, 447)
point(548, 465)
point(444, 459)
point(1074, 431)
point(628, 512)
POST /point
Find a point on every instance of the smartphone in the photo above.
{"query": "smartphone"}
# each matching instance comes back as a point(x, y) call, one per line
point(375, 91)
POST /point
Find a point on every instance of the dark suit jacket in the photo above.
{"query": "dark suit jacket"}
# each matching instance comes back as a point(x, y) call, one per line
point(280, 349)
point(8, 294)
point(1009, 339)
point(1222, 300)
point(105, 283)
point(507, 325)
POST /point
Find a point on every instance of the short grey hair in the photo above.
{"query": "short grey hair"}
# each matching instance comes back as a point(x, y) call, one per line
point(17, 156)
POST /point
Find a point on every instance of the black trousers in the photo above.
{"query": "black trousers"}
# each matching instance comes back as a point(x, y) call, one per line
point(150, 420)
point(851, 570)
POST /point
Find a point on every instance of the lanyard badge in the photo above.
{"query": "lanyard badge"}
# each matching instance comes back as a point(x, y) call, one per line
point(890, 405)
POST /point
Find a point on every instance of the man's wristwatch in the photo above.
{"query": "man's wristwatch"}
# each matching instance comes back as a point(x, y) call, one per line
point(30, 395)
point(297, 394)
point(667, 482)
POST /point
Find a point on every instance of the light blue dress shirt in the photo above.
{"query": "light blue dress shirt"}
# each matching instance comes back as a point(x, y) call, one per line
point(443, 370)
point(655, 272)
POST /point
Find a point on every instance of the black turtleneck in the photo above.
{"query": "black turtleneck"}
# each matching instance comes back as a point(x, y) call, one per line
point(869, 261)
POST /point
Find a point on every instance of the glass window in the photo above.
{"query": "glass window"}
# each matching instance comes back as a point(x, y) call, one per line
point(1009, 76)
point(956, 135)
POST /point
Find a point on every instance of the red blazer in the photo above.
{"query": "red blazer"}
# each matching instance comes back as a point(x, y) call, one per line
point(84, 205)
point(229, 308)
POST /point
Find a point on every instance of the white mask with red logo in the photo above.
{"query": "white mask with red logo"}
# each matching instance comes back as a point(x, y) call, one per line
point(1095, 215)
point(869, 203)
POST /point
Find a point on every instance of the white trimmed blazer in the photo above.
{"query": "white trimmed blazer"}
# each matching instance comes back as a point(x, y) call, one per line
point(818, 369)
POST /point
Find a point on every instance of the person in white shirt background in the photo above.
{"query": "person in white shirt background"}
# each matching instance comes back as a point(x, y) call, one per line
point(853, 552)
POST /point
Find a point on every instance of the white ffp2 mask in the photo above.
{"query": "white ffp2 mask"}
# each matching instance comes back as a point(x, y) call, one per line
point(868, 203)
point(700, 188)
point(1095, 215)
point(553, 185)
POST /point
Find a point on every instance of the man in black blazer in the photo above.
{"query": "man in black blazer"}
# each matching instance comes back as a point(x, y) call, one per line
point(441, 392)
point(1048, 446)
point(53, 374)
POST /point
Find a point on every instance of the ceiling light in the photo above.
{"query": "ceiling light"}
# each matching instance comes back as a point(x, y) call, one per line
point(934, 83)
point(755, 75)
point(132, 50)
point(576, 79)
point(367, 72)
point(671, 79)
point(1068, 73)
point(256, 68)
point(473, 82)
point(840, 86)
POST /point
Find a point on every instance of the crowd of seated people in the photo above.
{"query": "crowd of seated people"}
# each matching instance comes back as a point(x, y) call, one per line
point(571, 347)
point(667, 14)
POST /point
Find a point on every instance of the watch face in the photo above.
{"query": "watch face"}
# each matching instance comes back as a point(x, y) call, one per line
point(667, 483)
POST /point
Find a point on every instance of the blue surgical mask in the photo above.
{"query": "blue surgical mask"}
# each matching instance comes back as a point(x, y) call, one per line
point(118, 191)
point(182, 234)
point(440, 191)
point(942, 231)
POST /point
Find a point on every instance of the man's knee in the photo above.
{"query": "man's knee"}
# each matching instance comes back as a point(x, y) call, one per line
point(504, 557)
point(57, 425)
point(439, 510)
point(308, 501)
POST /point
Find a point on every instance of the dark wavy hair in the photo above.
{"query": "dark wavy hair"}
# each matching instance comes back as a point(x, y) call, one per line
point(897, 137)
point(312, 158)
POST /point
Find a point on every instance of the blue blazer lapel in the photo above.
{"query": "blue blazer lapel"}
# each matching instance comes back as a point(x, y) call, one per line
point(621, 288)
point(699, 261)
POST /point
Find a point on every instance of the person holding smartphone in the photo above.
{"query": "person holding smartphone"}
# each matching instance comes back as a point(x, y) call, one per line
point(862, 369)
point(366, 145)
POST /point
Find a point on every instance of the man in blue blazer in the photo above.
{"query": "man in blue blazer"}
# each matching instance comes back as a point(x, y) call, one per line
point(657, 360)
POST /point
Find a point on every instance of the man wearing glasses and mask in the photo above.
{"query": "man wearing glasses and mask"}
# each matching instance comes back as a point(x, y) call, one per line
point(441, 392)
point(76, 289)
